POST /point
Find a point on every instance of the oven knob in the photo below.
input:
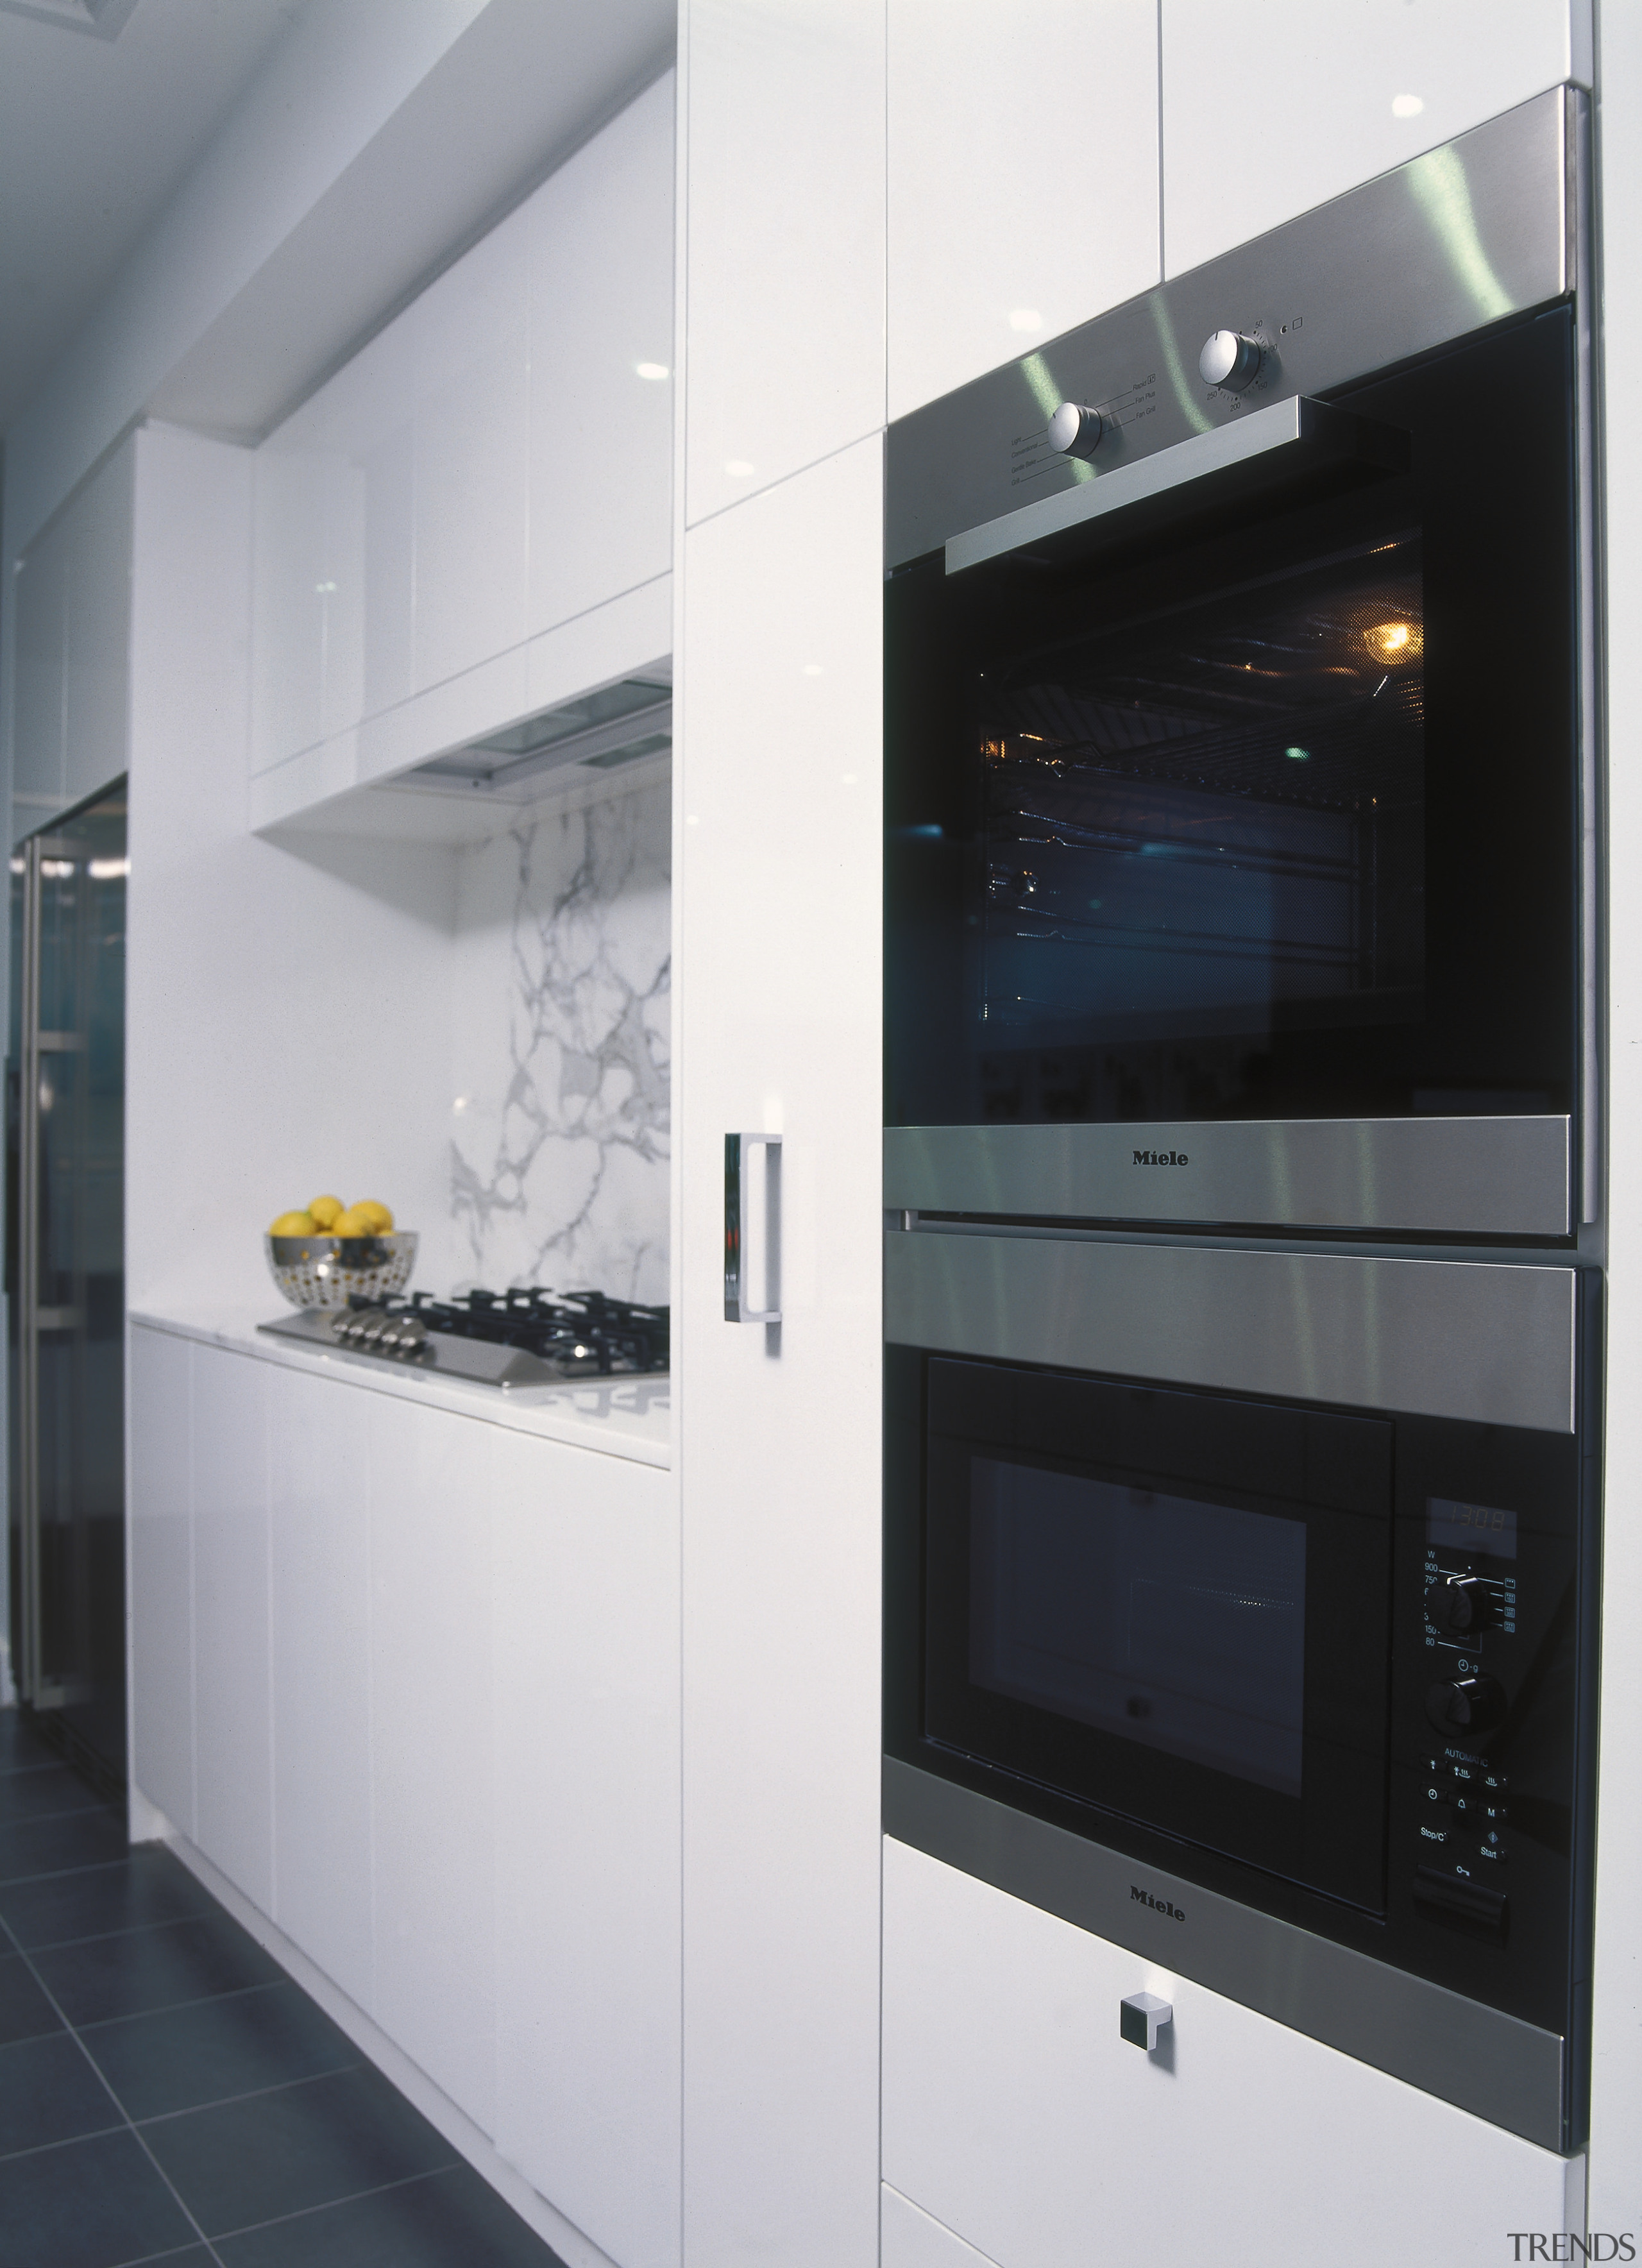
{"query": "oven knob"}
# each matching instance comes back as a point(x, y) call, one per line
point(1075, 430)
point(1466, 1706)
point(1460, 1603)
point(1229, 360)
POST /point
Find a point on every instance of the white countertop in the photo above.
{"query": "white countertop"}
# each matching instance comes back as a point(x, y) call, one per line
point(619, 1416)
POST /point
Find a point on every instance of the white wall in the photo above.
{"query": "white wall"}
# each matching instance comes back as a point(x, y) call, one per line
point(1616, 2158)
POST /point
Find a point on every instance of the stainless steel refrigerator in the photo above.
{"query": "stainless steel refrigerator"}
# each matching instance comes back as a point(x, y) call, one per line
point(65, 1253)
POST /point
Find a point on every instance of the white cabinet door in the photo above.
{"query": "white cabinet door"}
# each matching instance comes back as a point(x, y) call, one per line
point(910, 2238)
point(432, 1744)
point(233, 1823)
point(601, 244)
point(784, 278)
point(468, 336)
point(158, 1386)
point(97, 650)
point(1023, 178)
point(320, 1681)
point(1016, 2116)
point(1268, 110)
point(587, 1840)
point(778, 1018)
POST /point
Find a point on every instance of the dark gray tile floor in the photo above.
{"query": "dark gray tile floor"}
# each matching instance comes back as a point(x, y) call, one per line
point(167, 2094)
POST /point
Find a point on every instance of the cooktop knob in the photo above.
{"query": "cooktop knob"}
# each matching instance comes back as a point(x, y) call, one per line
point(1466, 1706)
point(1075, 430)
point(1229, 360)
point(1462, 1603)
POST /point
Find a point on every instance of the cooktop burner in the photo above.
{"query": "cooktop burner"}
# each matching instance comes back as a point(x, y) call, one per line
point(523, 1338)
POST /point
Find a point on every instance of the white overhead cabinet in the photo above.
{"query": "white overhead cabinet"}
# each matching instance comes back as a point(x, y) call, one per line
point(1023, 178)
point(1017, 2117)
point(73, 639)
point(785, 267)
point(496, 464)
point(1268, 110)
point(423, 1671)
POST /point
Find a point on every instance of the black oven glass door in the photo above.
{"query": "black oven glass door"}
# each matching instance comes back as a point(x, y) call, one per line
point(1175, 1606)
point(1271, 816)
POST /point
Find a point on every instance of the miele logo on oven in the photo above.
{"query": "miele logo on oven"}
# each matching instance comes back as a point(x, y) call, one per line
point(1158, 1905)
point(1162, 1158)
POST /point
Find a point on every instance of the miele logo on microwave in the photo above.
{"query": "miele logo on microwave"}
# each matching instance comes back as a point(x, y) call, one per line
point(1158, 1905)
point(1162, 1158)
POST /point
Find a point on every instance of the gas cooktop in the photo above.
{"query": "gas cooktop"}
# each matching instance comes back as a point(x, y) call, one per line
point(517, 1338)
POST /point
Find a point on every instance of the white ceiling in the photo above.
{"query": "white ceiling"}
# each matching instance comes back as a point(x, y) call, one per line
point(95, 135)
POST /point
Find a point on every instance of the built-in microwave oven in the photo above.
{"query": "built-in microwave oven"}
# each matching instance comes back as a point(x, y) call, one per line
point(1240, 1608)
point(1237, 735)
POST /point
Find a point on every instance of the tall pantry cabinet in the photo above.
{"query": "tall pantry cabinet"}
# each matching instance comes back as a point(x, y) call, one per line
point(880, 199)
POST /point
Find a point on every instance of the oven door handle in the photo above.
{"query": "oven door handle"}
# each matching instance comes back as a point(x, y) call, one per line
point(737, 1149)
point(1297, 445)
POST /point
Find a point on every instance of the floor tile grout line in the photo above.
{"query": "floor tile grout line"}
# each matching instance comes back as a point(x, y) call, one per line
point(253, 2094)
point(129, 2125)
point(382, 2189)
point(170, 2008)
point(62, 2141)
point(101, 1936)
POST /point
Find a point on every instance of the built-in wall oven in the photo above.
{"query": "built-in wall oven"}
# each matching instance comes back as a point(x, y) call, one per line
point(1242, 1346)
point(1237, 807)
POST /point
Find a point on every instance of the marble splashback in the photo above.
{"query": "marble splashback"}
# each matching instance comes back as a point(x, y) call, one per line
point(560, 1121)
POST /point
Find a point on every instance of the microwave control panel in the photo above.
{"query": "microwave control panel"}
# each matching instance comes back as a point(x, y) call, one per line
point(1470, 1623)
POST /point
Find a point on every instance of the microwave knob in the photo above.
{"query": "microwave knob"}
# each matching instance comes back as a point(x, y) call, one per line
point(1229, 360)
point(1466, 1706)
point(1462, 1603)
point(1075, 430)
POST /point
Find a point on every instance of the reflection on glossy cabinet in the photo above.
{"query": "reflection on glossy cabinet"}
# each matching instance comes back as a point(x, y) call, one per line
point(784, 305)
point(1023, 178)
point(1271, 110)
point(160, 1390)
point(1016, 2115)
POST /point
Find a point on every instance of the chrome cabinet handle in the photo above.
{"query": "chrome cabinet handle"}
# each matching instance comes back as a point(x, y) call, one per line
point(736, 1150)
point(1141, 2017)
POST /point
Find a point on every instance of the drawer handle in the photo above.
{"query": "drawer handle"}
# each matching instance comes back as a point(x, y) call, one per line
point(1141, 2017)
point(737, 1148)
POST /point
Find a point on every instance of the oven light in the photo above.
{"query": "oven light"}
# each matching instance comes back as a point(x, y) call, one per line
point(1392, 641)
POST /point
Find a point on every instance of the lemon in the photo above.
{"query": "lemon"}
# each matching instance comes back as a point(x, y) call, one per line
point(294, 1224)
point(380, 1219)
point(324, 1209)
point(351, 1223)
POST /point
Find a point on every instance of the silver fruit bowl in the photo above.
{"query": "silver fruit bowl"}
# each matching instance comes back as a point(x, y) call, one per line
point(329, 1271)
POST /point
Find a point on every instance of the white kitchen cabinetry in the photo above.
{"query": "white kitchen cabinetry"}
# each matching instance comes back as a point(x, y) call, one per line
point(428, 1665)
point(432, 1748)
point(1268, 110)
point(1016, 2117)
point(73, 648)
point(160, 1382)
point(1023, 178)
point(233, 1766)
point(785, 204)
point(586, 1650)
point(319, 1548)
point(778, 1016)
point(495, 464)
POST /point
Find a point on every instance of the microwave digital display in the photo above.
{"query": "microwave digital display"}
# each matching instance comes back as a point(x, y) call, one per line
point(1453, 1526)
